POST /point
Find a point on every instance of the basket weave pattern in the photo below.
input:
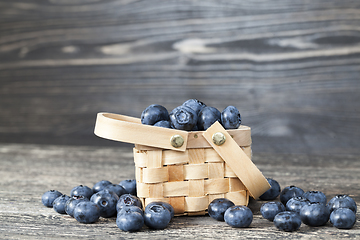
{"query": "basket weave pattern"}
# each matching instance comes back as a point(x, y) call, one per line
point(188, 180)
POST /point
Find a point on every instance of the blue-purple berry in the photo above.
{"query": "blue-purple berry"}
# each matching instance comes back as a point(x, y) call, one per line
point(273, 192)
point(343, 218)
point(270, 209)
point(106, 200)
point(59, 204)
point(87, 212)
point(217, 208)
point(238, 216)
point(82, 190)
point(287, 221)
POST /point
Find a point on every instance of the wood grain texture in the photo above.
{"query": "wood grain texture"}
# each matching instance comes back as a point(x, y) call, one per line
point(292, 69)
point(27, 171)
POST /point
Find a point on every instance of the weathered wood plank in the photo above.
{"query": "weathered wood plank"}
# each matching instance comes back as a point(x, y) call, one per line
point(27, 171)
point(291, 68)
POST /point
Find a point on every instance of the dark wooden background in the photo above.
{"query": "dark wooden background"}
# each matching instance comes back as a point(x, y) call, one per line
point(291, 67)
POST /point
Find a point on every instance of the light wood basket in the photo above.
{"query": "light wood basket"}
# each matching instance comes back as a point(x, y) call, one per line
point(189, 175)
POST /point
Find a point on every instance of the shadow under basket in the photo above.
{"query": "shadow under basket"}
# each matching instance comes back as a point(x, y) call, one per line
point(187, 169)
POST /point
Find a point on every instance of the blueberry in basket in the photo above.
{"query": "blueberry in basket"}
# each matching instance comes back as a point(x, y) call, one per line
point(238, 216)
point(59, 204)
point(153, 114)
point(314, 214)
point(230, 118)
point(106, 200)
point(289, 192)
point(48, 197)
point(207, 117)
point(100, 185)
point(87, 212)
point(82, 190)
point(129, 185)
point(270, 209)
point(163, 123)
point(343, 218)
point(315, 196)
point(195, 105)
point(157, 216)
point(287, 221)
point(183, 118)
point(273, 192)
point(218, 207)
point(342, 201)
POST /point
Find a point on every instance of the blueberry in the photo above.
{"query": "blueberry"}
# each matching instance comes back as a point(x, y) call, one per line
point(163, 123)
point(154, 113)
point(106, 200)
point(100, 185)
point(230, 118)
point(287, 221)
point(217, 208)
point(273, 192)
point(343, 218)
point(117, 189)
point(342, 201)
point(314, 214)
point(72, 202)
point(59, 204)
point(130, 221)
point(296, 203)
point(130, 209)
point(87, 212)
point(289, 192)
point(270, 209)
point(157, 216)
point(167, 205)
point(208, 116)
point(238, 216)
point(82, 190)
point(183, 118)
point(195, 105)
point(315, 196)
point(128, 200)
point(49, 197)
point(129, 185)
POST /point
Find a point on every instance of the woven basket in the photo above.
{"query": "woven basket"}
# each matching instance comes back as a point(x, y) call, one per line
point(191, 173)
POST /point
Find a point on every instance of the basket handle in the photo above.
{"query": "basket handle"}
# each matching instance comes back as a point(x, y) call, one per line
point(129, 129)
point(238, 161)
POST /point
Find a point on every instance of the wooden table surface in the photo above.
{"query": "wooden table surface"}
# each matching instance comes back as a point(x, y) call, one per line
point(27, 171)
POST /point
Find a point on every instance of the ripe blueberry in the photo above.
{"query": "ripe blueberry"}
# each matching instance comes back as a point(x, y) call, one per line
point(72, 202)
point(167, 205)
point(106, 200)
point(270, 209)
point(287, 221)
point(59, 204)
point(130, 209)
point(129, 185)
point(157, 216)
point(238, 216)
point(273, 192)
point(343, 218)
point(208, 116)
point(195, 105)
point(117, 189)
point(289, 192)
point(314, 214)
point(82, 190)
point(315, 196)
point(87, 212)
point(163, 123)
point(100, 185)
point(130, 221)
point(296, 203)
point(48, 198)
point(183, 118)
point(217, 208)
point(128, 200)
point(342, 201)
point(154, 113)
point(230, 118)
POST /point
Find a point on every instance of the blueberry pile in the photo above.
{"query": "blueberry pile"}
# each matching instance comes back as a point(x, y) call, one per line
point(295, 207)
point(108, 200)
point(192, 115)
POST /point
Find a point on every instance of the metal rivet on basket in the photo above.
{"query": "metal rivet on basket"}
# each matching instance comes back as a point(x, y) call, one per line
point(219, 138)
point(176, 141)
